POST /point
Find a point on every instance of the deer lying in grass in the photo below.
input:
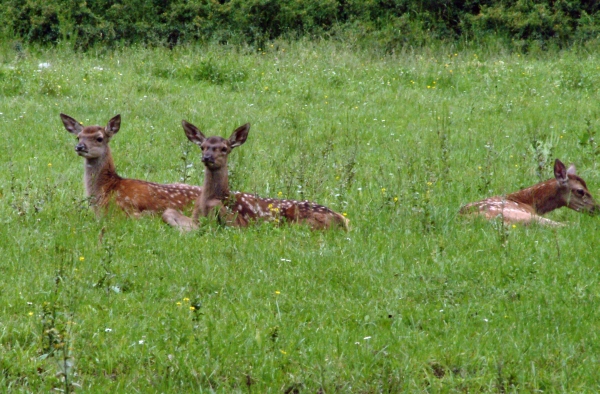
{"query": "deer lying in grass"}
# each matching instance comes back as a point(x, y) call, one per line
point(240, 209)
point(102, 183)
point(527, 205)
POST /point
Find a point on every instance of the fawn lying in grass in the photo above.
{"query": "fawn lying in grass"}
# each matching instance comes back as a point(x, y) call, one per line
point(239, 209)
point(103, 184)
point(527, 205)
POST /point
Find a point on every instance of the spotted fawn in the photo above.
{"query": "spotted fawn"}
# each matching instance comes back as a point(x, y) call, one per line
point(103, 184)
point(241, 209)
point(528, 205)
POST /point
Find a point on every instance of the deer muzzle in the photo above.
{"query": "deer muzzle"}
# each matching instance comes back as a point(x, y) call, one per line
point(589, 207)
point(80, 148)
point(208, 159)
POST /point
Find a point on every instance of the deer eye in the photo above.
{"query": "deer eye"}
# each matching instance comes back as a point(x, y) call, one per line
point(224, 149)
point(99, 139)
point(580, 192)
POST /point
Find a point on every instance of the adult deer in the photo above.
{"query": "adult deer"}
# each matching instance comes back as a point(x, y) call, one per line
point(102, 183)
point(240, 209)
point(527, 205)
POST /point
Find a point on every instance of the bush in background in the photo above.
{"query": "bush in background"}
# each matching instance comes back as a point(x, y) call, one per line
point(390, 23)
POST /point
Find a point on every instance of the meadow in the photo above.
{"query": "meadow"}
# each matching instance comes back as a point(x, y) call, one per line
point(414, 298)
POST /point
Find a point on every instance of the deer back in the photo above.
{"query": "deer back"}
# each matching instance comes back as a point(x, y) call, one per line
point(243, 208)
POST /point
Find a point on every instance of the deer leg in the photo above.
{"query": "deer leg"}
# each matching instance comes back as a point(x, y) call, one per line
point(547, 222)
point(177, 219)
point(532, 219)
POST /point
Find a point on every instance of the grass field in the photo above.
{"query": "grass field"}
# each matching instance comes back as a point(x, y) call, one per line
point(414, 298)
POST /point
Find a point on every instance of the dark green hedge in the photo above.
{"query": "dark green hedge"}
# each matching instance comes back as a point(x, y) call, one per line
point(396, 22)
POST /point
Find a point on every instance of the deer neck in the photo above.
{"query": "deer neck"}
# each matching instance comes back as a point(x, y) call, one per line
point(216, 184)
point(100, 176)
point(543, 197)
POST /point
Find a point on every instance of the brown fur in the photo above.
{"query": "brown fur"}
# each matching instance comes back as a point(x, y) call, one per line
point(241, 209)
point(103, 184)
point(527, 205)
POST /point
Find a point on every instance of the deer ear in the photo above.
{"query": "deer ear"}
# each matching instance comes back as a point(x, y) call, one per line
point(113, 126)
point(71, 124)
point(572, 170)
point(239, 135)
point(560, 172)
point(193, 133)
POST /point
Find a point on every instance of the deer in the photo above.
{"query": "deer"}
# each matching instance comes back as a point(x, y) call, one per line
point(241, 209)
point(103, 184)
point(528, 205)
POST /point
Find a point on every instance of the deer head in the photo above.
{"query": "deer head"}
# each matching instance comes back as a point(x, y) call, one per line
point(215, 149)
point(92, 140)
point(574, 191)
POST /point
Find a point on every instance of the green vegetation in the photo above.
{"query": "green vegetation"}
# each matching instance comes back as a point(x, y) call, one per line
point(414, 298)
point(390, 24)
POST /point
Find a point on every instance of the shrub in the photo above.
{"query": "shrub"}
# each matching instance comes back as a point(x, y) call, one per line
point(391, 22)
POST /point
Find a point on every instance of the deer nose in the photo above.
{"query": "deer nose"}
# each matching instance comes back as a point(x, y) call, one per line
point(79, 148)
point(208, 159)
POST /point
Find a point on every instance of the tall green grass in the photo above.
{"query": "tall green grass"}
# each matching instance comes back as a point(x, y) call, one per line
point(414, 298)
